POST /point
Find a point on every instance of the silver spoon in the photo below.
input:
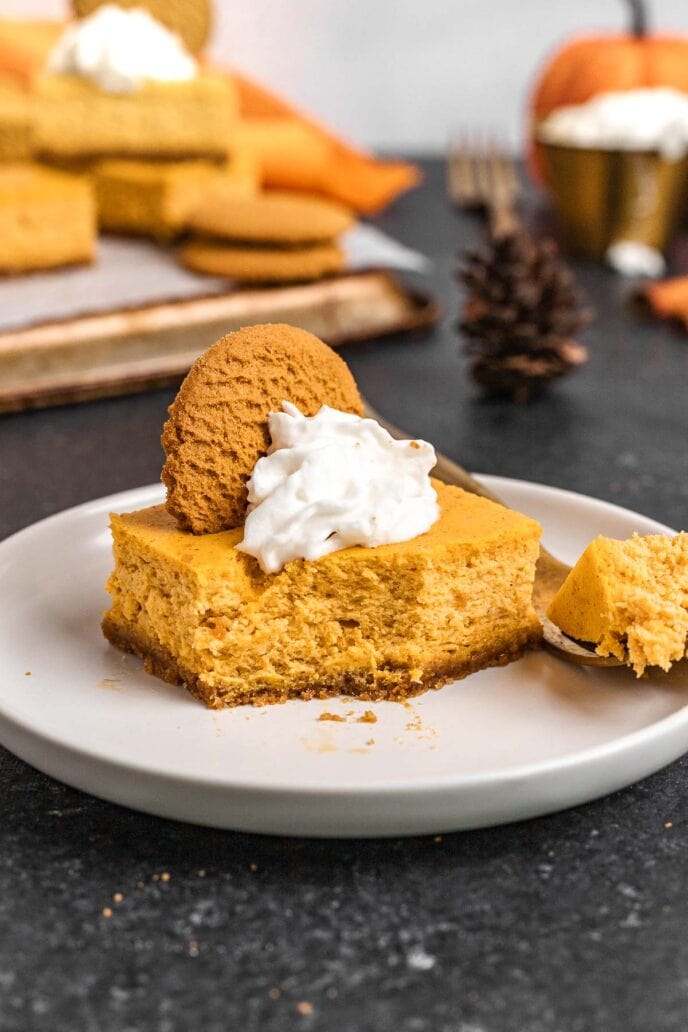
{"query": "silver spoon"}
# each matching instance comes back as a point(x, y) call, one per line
point(550, 572)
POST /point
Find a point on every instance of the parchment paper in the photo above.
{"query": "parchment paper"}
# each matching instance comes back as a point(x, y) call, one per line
point(130, 273)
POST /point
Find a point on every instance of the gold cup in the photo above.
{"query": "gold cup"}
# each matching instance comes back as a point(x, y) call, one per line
point(604, 196)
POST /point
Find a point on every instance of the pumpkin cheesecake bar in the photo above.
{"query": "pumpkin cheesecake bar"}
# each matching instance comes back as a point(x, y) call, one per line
point(375, 623)
point(47, 218)
point(76, 119)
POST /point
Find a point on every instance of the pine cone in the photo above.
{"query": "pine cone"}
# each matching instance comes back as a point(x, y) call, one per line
point(520, 316)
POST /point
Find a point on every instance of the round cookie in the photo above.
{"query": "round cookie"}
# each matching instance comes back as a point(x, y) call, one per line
point(218, 424)
point(286, 219)
point(190, 19)
point(262, 264)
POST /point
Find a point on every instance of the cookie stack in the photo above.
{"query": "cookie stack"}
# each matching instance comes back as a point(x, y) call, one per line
point(273, 237)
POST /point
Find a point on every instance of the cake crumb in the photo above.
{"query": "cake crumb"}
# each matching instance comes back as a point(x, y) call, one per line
point(165, 876)
point(371, 741)
point(155, 877)
point(107, 912)
point(109, 684)
point(201, 873)
point(253, 867)
point(27, 673)
point(438, 838)
point(304, 1007)
point(668, 824)
point(419, 960)
point(117, 897)
point(275, 993)
point(140, 885)
point(332, 716)
point(368, 717)
point(319, 747)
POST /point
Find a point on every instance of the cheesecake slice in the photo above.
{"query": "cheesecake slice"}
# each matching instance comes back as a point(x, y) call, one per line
point(629, 599)
point(157, 198)
point(375, 623)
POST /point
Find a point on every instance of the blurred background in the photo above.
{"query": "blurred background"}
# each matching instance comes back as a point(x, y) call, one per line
point(545, 125)
point(398, 76)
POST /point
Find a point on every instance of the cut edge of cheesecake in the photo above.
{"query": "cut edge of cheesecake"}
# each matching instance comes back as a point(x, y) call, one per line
point(399, 685)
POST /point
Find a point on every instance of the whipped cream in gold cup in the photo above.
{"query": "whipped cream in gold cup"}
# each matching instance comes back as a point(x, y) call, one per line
point(603, 196)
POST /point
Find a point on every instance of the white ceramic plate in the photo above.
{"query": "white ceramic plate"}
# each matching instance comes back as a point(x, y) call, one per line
point(504, 744)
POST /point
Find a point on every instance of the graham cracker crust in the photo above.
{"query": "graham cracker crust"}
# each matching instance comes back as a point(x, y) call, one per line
point(393, 685)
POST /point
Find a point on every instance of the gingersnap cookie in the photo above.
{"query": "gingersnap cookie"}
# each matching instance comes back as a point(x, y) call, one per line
point(280, 218)
point(218, 423)
point(190, 19)
point(262, 264)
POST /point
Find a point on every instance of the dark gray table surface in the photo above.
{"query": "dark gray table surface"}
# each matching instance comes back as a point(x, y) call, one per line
point(570, 923)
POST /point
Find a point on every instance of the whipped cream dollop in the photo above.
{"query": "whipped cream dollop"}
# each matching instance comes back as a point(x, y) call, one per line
point(121, 49)
point(653, 119)
point(331, 481)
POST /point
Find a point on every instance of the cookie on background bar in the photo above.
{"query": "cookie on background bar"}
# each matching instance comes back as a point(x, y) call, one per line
point(190, 19)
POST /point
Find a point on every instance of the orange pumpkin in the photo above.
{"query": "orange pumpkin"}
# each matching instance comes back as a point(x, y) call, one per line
point(596, 64)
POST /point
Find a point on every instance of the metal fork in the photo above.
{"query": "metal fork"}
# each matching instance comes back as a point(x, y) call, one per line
point(481, 174)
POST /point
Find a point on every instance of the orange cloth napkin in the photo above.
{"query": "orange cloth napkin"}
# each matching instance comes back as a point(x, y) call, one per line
point(291, 150)
point(24, 47)
point(295, 153)
point(666, 299)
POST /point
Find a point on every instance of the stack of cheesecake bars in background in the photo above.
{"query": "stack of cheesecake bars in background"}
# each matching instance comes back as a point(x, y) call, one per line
point(88, 145)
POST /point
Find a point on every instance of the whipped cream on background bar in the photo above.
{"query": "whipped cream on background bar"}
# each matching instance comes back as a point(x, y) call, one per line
point(331, 481)
point(653, 119)
point(120, 49)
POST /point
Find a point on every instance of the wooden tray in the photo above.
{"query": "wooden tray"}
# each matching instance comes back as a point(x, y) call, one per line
point(152, 345)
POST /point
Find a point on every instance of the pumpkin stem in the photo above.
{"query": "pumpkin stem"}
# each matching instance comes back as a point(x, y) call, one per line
point(638, 18)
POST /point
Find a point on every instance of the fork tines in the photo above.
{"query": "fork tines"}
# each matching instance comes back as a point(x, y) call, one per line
point(481, 173)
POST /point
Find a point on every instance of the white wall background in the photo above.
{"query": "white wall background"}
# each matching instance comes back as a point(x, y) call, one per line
point(401, 74)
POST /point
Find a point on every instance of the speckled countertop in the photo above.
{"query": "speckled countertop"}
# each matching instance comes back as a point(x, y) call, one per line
point(111, 921)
